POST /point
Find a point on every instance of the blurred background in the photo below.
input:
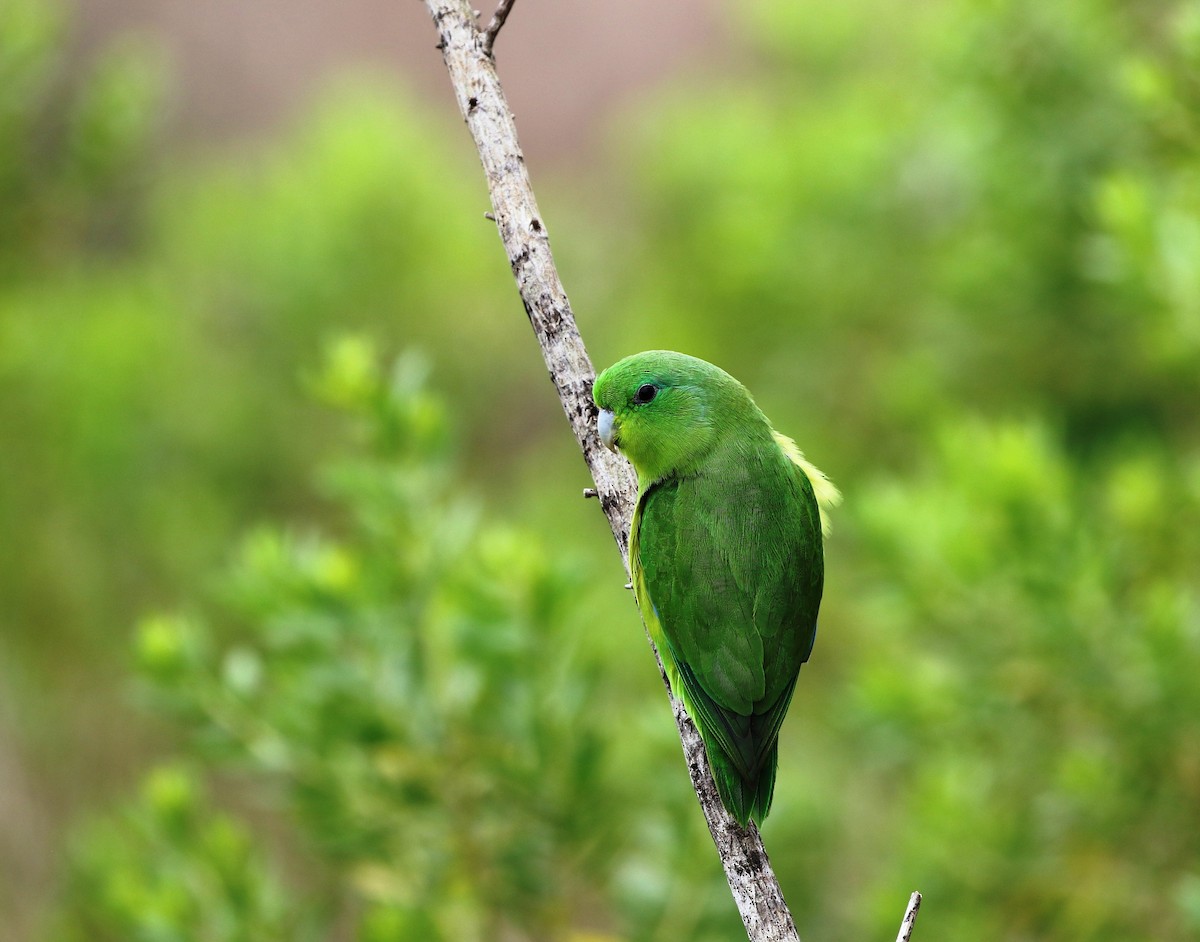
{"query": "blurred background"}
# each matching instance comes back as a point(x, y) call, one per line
point(305, 632)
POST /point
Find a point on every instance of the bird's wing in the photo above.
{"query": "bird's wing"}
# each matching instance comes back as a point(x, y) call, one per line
point(727, 563)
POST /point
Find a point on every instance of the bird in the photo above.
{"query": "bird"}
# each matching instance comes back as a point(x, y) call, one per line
point(726, 554)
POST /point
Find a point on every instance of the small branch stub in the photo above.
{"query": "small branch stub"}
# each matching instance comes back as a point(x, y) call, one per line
point(910, 918)
point(497, 24)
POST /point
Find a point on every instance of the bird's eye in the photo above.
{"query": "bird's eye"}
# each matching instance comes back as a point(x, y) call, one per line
point(646, 392)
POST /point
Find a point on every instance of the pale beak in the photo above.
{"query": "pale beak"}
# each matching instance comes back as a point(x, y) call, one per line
point(607, 429)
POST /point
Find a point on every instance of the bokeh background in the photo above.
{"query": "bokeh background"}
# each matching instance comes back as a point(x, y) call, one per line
point(305, 632)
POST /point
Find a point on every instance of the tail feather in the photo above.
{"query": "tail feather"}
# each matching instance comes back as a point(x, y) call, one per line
point(746, 798)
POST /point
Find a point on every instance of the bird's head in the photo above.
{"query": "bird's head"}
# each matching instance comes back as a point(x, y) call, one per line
point(665, 410)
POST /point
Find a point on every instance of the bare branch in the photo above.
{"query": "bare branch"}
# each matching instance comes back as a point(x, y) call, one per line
point(910, 918)
point(497, 23)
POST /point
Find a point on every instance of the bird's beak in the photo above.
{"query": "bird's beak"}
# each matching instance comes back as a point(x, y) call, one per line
point(607, 428)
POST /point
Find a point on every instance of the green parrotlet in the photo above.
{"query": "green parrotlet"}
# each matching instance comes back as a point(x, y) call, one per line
point(726, 555)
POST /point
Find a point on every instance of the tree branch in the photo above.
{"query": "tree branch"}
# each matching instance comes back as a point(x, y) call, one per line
point(467, 54)
point(481, 100)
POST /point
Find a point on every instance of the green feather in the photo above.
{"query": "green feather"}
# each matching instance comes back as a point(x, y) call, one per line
point(726, 555)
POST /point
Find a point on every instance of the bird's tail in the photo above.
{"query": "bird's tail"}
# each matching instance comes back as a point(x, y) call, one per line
point(746, 798)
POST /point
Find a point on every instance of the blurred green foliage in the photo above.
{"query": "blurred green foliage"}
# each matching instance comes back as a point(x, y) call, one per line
point(1042, 733)
point(171, 867)
point(70, 146)
point(953, 248)
point(423, 691)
